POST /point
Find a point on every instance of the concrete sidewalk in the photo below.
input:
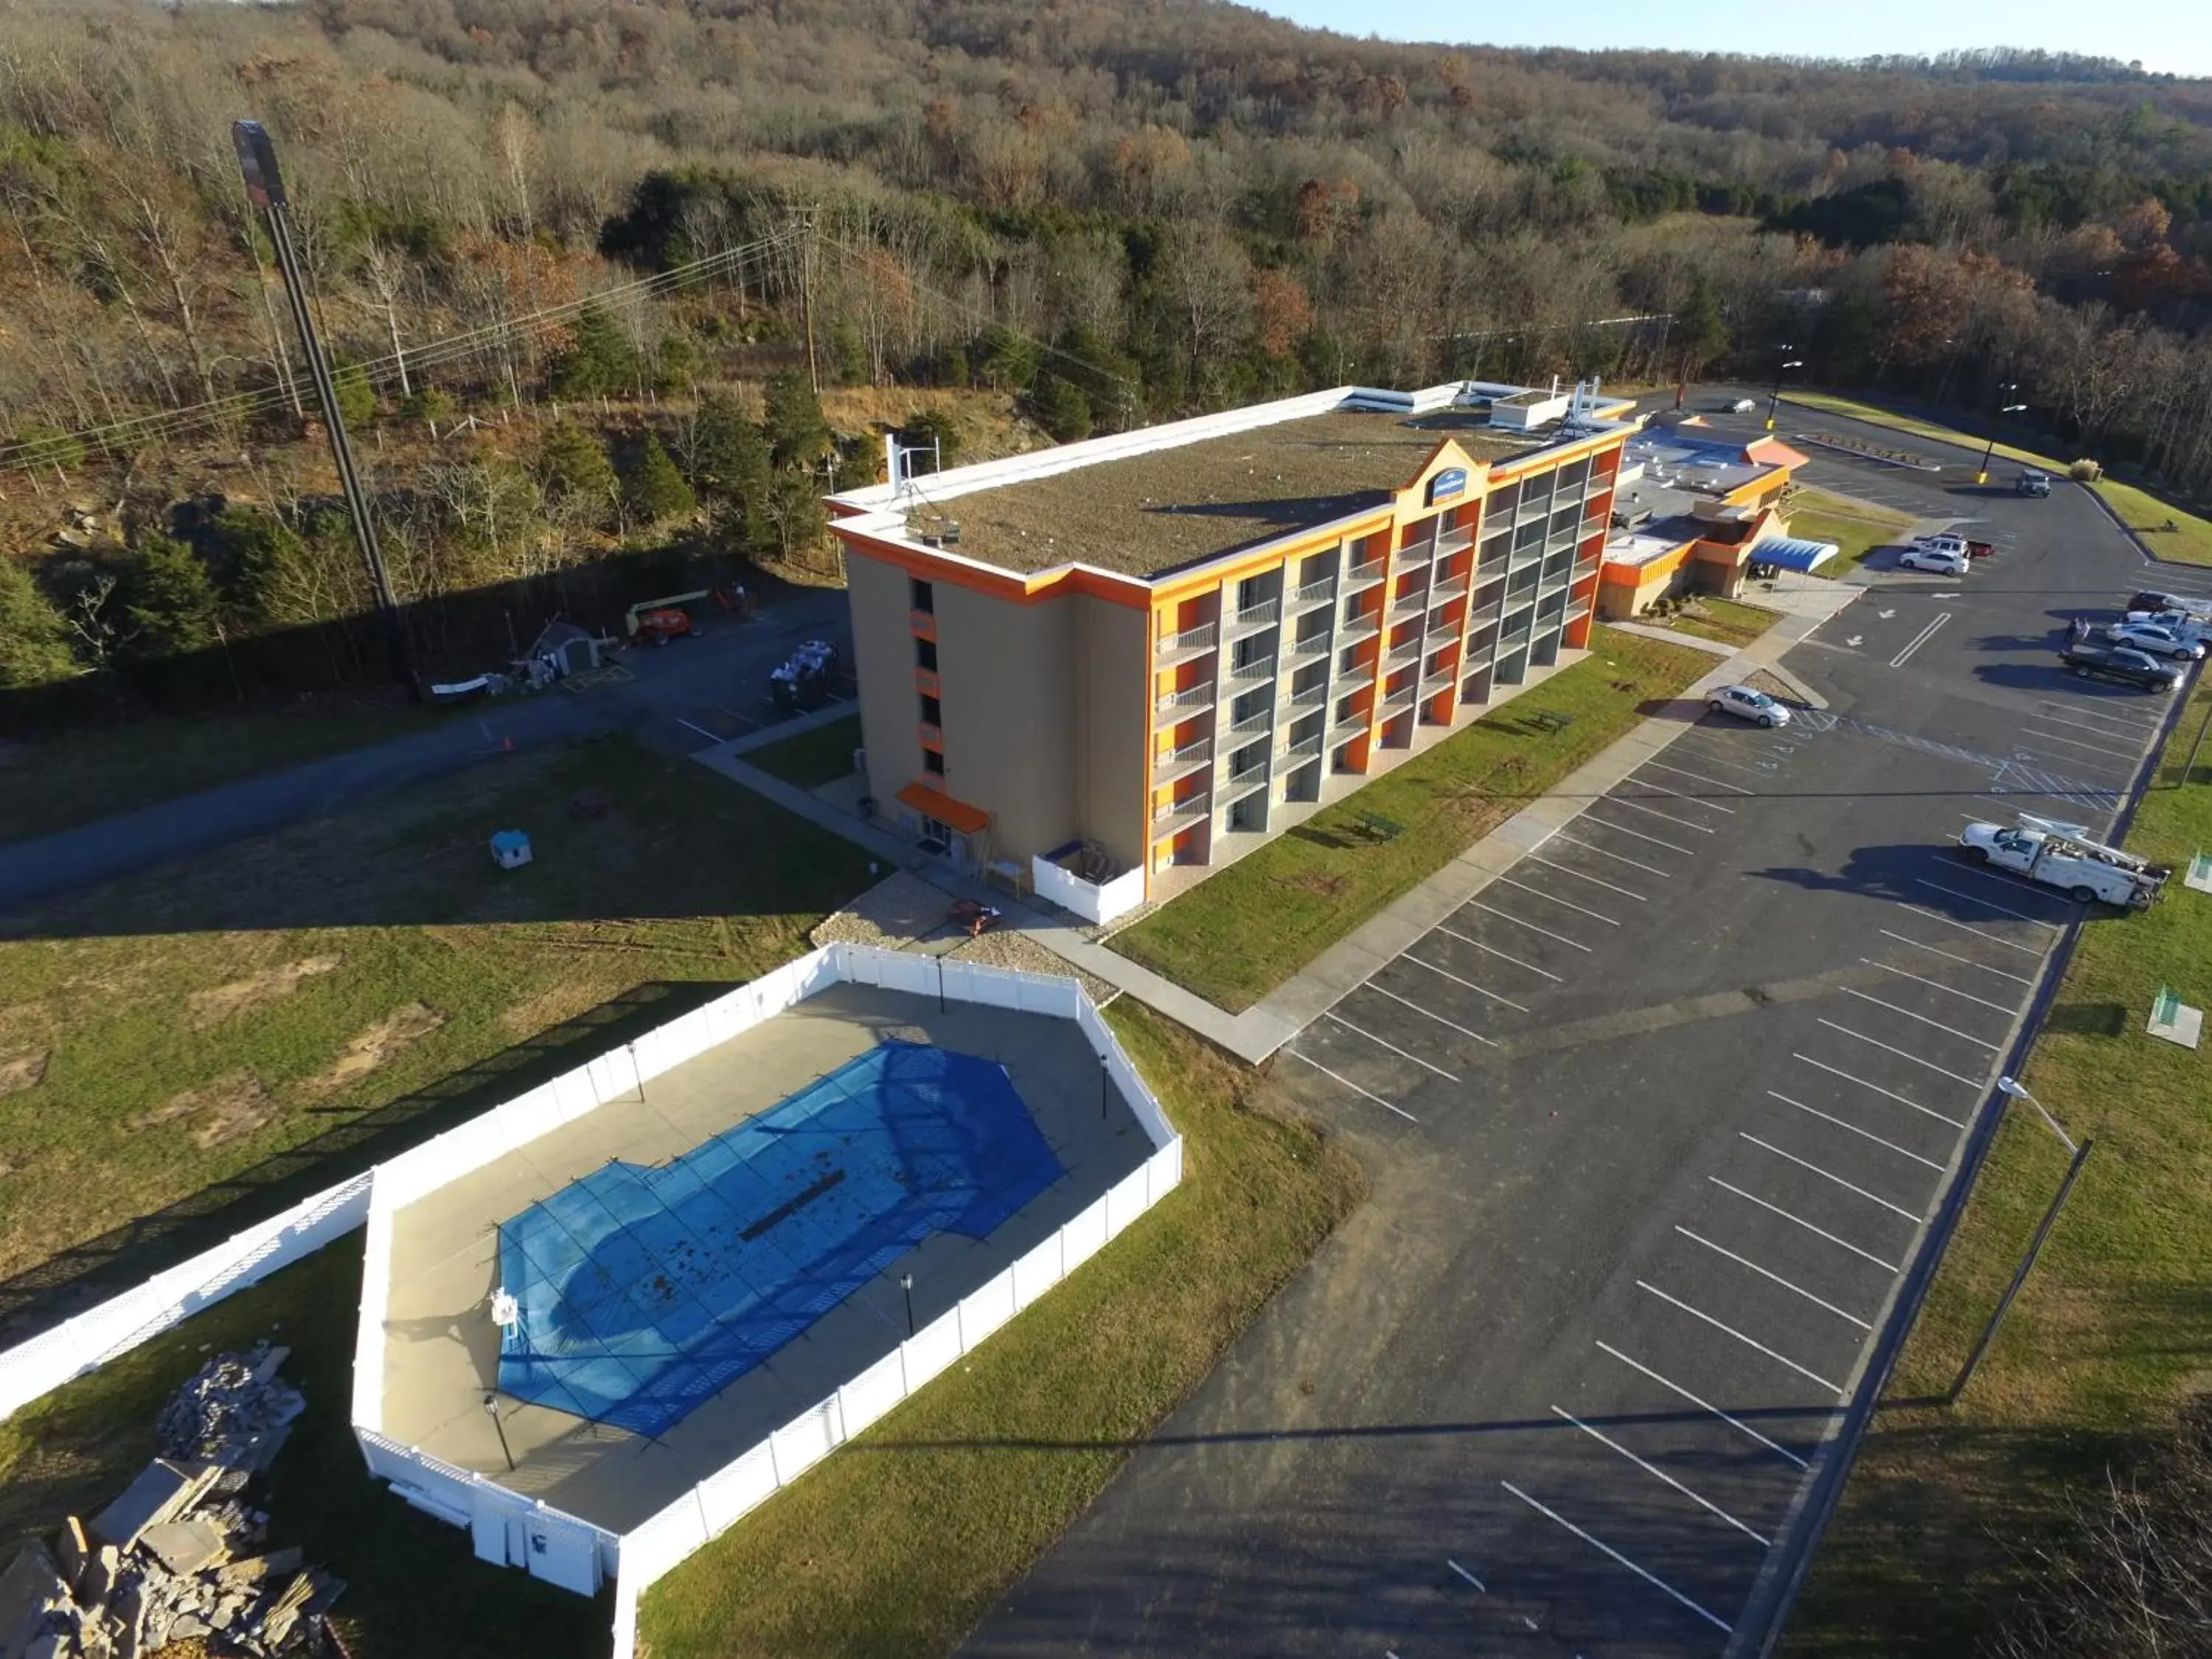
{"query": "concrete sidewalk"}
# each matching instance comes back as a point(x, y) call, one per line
point(1256, 1033)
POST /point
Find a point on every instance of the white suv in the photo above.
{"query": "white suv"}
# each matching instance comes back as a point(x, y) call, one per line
point(1941, 560)
point(1746, 704)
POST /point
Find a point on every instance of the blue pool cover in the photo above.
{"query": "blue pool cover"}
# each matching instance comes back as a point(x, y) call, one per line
point(645, 1291)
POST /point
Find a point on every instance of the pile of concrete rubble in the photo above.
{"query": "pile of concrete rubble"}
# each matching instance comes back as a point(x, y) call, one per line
point(178, 1556)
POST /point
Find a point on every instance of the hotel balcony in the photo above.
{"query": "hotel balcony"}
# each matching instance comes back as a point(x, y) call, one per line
point(1365, 575)
point(1252, 725)
point(1313, 594)
point(1191, 758)
point(1182, 647)
point(1237, 785)
point(1403, 653)
point(1309, 698)
point(1304, 749)
point(1452, 588)
point(1305, 650)
point(1404, 698)
point(1410, 604)
point(1255, 616)
point(1352, 726)
point(1364, 625)
point(1187, 814)
point(1182, 705)
point(1349, 680)
point(1250, 674)
point(1444, 624)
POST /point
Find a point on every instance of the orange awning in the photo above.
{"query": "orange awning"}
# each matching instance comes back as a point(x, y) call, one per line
point(936, 804)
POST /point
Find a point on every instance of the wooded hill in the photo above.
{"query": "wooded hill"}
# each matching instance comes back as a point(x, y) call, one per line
point(585, 224)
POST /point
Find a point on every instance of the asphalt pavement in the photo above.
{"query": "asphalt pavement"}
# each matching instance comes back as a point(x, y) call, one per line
point(1656, 1127)
point(682, 697)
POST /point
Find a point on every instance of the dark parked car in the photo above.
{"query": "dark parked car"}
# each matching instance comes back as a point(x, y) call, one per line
point(2120, 665)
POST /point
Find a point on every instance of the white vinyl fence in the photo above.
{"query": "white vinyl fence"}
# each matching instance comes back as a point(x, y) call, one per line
point(1092, 901)
point(505, 1526)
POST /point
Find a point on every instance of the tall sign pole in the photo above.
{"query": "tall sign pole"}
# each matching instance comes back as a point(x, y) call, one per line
point(265, 185)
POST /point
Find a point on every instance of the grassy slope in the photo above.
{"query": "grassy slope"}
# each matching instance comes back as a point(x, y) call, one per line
point(1727, 621)
point(2110, 1333)
point(1856, 527)
point(811, 759)
point(2190, 540)
point(58, 784)
point(402, 894)
point(1238, 934)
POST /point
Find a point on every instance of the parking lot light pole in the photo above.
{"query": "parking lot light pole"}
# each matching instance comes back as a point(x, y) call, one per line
point(2004, 409)
point(2017, 1091)
point(1774, 399)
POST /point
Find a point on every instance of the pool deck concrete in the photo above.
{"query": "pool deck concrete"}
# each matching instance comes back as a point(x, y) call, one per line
point(441, 1349)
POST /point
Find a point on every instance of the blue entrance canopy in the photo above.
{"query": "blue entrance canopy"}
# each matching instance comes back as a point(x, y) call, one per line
point(1792, 554)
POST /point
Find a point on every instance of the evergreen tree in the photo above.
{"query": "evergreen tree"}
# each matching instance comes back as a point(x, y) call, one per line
point(578, 478)
point(1061, 408)
point(171, 600)
point(798, 434)
point(264, 553)
point(654, 489)
point(35, 648)
point(848, 352)
point(600, 360)
point(729, 455)
point(357, 397)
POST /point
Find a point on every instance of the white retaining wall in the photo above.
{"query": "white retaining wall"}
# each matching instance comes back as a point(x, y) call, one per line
point(1093, 902)
point(522, 1532)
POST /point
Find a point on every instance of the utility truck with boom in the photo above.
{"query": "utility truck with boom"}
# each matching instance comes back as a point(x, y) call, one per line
point(2062, 855)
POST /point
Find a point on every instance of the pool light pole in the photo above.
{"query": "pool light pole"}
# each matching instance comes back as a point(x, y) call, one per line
point(2004, 409)
point(491, 1410)
point(2013, 1088)
point(906, 1284)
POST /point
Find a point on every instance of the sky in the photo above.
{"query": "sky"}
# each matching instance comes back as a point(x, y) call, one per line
point(2175, 36)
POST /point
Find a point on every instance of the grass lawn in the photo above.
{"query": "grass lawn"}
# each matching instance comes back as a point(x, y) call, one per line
point(813, 758)
point(1856, 527)
point(185, 1027)
point(62, 782)
point(1238, 934)
point(2189, 541)
point(893, 1547)
point(2111, 1331)
point(1727, 621)
point(896, 1546)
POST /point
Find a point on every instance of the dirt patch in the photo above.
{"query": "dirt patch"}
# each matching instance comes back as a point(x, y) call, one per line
point(212, 1007)
point(899, 911)
point(373, 1048)
point(23, 1071)
point(229, 1108)
point(1004, 948)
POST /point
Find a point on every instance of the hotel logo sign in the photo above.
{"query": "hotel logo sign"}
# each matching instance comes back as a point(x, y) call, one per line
point(1448, 485)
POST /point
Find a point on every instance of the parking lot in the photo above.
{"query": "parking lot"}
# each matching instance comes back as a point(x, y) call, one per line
point(1656, 1123)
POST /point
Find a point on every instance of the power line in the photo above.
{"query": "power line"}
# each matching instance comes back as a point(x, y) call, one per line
point(158, 425)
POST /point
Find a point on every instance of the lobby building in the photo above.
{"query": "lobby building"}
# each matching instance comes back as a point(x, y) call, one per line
point(1106, 668)
point(1694, 512)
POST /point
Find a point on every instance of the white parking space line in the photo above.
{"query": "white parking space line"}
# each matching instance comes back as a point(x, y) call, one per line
point(1350, 1084)
point(1479, 1588)
point(1599, 1544)
point(1746, 1262)
point(1479, 989)
point(1846, 1125)
point(1937, 915)
point(1887, 1094)
point(1706, 1405)
point(1336, 1018)
point(1976, 898)
point(1507, 915)
point(1822, 1232)
point(1568, 870)
point(1702, 1502)
point(1949, 955)
point(1908, 1013)
point(1676, 794)
point(1492, 950)
point(1756, 768)
point(1748, 1341)
point(1686, 824)
point(1684, 771)
point(1427, 1013)
point(1937, 985)
point(1594, 915)
point(1972, 1082)
point(1606, 852)
point(2051, 717)
point(1997, 877)
point(1919, 640)
point(1589, 816)
point(2103, 750)
point(1848, 1186)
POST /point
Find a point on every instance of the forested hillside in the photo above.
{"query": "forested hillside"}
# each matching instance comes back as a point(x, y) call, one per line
point(562, 247)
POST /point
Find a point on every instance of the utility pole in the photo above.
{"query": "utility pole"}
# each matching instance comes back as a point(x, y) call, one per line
point(265, 185)
point(806, 295)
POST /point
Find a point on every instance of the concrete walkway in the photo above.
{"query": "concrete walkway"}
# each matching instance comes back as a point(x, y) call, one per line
point(1256, 1033)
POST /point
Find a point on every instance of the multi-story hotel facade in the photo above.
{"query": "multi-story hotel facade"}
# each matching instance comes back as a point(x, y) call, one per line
point(1132, 659)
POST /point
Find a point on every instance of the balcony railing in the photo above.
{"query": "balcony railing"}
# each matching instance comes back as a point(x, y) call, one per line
point(1310, 697)
point(1579, 609)
point(1452, 540)
point(1444, 624)
point(1354, 678)
point(1404, 698)
point(1183, 814)
point(1243, 783)
point(1364, 625)
point(1191, 700)
point(1313, 594)
point(1450, 588)
point(1305, 650)
point(1191, 642)
point(1407, 605)
point(1263, 615)
point(1478, 657)
point(1437, 680)
point(1414, 555)
point(1246, 673)
point(1352, 725)
point(1364, 576)
point(1262, 721)
point(1303, 749)
point(1404, 652)
point(1183, 762)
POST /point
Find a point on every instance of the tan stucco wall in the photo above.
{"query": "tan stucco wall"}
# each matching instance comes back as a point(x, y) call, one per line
point(1112, 685)
point(1009, 699)
point(883, 660)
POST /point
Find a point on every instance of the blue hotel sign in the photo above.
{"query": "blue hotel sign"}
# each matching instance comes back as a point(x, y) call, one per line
point(1448, 485)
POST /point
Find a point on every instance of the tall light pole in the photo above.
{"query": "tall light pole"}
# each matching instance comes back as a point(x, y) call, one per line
point(1774, 399)
point(2004, 409)
point(2015, 1089)
point(264, 187)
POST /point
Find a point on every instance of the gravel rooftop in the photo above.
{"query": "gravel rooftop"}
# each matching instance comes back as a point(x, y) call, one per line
point(1149, 515)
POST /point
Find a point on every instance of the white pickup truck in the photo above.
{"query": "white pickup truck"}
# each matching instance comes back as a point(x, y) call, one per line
point(2062, 855)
